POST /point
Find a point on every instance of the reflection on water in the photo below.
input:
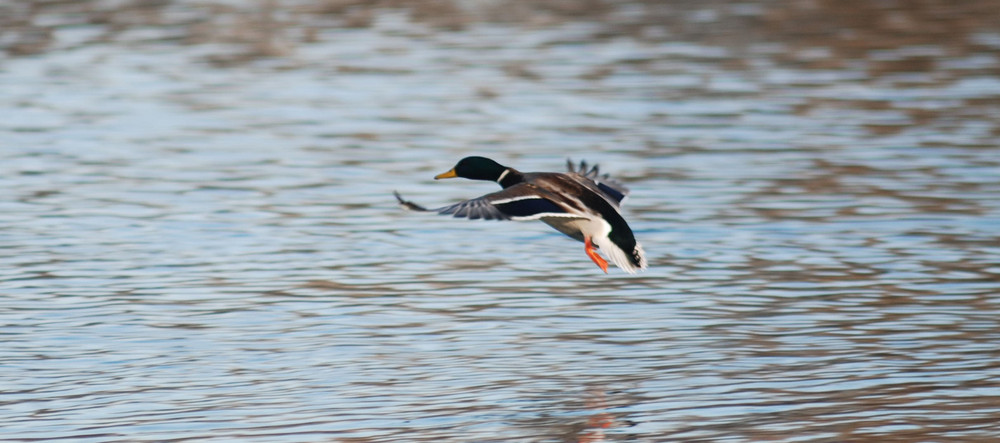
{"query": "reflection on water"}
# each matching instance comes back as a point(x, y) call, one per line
point(200, 239)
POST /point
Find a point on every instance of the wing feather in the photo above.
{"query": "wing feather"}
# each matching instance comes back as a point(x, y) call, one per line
point(605, 183)
point(519, 202)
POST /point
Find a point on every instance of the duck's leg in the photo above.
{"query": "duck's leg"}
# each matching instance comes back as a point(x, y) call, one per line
point(592, 253)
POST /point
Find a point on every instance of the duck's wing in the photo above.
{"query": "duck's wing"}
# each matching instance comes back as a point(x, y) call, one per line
point(408, 205)
point(519, 202)
point(609, 186)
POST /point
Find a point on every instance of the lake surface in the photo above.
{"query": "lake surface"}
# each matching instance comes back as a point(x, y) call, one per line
point(199, 239)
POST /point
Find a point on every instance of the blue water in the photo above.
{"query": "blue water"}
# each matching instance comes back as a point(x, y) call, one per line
point(201, 243)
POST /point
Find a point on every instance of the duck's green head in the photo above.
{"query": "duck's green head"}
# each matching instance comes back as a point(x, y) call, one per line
point(475, 168)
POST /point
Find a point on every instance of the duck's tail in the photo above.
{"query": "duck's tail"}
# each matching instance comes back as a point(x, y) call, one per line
point(631, 261)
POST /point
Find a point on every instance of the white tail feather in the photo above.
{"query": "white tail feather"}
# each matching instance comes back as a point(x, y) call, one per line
point(619, 257)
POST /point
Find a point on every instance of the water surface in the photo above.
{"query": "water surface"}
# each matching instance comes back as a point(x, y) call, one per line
point(200, 241)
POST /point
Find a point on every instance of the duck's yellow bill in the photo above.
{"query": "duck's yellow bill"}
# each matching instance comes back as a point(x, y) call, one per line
point(449, 174)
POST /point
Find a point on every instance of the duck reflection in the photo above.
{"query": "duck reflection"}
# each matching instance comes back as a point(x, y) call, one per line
point(599, 421)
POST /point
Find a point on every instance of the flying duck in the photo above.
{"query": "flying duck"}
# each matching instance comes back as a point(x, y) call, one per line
point(580, 203)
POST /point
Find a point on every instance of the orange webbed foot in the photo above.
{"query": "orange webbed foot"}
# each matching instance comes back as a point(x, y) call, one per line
point(592, 253)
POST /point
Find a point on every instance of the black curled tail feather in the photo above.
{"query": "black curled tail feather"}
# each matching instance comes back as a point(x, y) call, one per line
point(637, 257)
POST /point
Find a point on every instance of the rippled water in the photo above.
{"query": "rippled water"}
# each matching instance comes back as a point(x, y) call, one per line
point(200, 241)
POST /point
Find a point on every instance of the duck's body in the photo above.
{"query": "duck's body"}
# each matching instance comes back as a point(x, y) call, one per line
point(581, 204)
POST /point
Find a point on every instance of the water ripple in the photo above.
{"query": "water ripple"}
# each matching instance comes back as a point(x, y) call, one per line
point(200, 239)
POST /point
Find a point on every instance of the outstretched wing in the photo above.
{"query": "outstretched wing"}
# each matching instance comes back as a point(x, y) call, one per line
point(518, 202)
point(605, 183)
point(408, 205)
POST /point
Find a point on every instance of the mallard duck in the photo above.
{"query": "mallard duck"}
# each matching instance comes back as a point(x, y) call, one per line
point(580, 203)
